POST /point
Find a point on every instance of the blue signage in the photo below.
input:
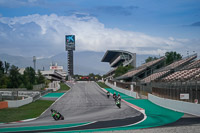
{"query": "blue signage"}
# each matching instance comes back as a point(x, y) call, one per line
point(70, 42)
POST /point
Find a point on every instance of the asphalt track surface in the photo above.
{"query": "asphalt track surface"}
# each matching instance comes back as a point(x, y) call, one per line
point(85, 102)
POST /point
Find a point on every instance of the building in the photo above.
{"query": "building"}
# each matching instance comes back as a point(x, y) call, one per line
point(55, 73)
point(118, 57)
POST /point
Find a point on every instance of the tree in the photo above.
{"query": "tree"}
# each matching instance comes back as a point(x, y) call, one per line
point(1, 67)
point(29, 73)
point(122, 70)
point(171, 57)
point(4, 81)
point(150, 59)
point(40, 78)
point(29, 78)
point(14, 77)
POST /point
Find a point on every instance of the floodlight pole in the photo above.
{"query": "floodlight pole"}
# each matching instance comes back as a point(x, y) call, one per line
point(34, 62)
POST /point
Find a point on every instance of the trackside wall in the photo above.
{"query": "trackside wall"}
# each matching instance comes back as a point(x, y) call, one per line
point(181, 106)
point(18, 103)
point(127, 92)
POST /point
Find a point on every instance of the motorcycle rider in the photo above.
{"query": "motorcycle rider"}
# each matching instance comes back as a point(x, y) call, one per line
point(114, 96)
point(56, 115)
point(108, 94)
point(118, 97)
point(118, 101)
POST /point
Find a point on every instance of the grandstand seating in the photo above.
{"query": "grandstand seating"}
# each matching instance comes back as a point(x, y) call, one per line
point(141, 68)
point(194, 64)
point(179, 63)
point(154, 76)
point(165, 71)
point(184, 75)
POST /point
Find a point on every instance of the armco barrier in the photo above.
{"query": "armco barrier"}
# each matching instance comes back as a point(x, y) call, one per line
point(185, 107)
point(127, 92)
point(3, 105)
point(18, 103)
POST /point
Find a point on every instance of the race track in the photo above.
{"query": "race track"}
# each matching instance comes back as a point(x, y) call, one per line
point(84, 103)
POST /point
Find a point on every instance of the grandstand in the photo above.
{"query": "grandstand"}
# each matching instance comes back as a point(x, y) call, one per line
point(194, 64)
point(182, 76)
point(165, 71)
point(117, 58)
point(142, 71)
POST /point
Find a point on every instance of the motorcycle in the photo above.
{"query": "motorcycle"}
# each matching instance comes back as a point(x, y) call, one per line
point(56, 115)
point(118, 103)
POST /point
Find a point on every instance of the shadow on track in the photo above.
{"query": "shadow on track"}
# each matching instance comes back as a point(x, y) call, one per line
point(185, 122)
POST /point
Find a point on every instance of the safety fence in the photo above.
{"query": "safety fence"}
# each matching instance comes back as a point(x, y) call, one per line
point(127, 85)
point(184, 91)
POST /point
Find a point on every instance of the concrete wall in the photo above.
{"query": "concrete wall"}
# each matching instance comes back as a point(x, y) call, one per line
point(185, 107)
point(127, 92)
point(18, 103)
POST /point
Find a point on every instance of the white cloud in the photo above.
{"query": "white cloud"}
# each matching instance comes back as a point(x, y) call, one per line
point(45, 34)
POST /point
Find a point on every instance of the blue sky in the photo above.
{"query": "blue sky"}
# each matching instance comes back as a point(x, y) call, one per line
point(38, 27)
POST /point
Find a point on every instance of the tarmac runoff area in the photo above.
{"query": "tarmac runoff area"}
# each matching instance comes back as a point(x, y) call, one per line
point(87, 102)
point(51, 96)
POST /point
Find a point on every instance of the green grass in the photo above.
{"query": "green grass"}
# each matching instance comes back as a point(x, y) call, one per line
point(28, 111)
point(102, 85)
point(63, 88)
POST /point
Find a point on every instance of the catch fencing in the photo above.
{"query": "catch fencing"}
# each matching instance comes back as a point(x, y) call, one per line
point(178, 90)
point(126, 86)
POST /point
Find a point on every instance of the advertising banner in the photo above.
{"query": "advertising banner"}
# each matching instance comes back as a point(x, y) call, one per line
point(70, 42)
point(184, 96)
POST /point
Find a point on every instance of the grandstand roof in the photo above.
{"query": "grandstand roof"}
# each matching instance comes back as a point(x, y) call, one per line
point(178, 63)
point(135, 71)
point(110, 54)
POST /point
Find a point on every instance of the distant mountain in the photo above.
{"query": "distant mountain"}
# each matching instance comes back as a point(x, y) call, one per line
point(84, 62)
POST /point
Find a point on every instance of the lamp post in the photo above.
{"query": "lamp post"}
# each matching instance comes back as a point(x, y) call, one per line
point(34, 62)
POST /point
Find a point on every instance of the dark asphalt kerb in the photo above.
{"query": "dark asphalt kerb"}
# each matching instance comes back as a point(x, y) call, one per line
point(41, 128)
point(94, 125)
